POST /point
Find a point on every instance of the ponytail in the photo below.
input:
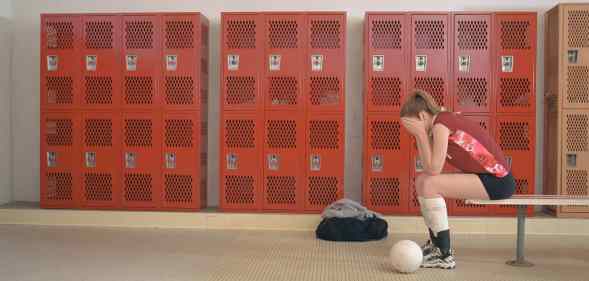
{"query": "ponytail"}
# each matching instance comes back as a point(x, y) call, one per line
point(420, 101)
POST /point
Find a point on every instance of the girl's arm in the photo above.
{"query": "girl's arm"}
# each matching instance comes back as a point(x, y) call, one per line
point(433, 155)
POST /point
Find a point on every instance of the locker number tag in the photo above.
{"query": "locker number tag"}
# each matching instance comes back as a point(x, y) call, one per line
point(573, 56)
point(464, 63)
point(507, 63)
point(170, 160)
point(418, 165)
point(378, 63)
point(131, 62)
point(273, 162)
point(274, 62)
point(377, 163)
point(420, 63)
point(90, 158)
point(571, 160)
point(232, 62)
point(91, 62)
point(52, 63)
point(171, 62)
point(316, 62)
point(130, 160)
point(51, 159)
point(231, 161)
point(315, 162)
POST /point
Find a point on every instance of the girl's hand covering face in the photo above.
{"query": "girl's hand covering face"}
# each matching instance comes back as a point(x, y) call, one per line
point(413, 125)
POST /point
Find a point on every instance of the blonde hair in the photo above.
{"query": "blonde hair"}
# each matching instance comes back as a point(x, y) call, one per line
point(420, 101)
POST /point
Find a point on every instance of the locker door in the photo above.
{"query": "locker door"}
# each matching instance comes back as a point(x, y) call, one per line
point(100, 160)
point(100, 54)
point(60, 183)
point(386, 47)
point(575, 57)
point(575, 157)
point(282, 157)
point(181, 61)
point(472, 63)
point(326, 62)
point(284, 54)
point(386, 156)
point(240, 152)
point(141, 159)
point(141, 61)
point(241, 59)
point(60, 64)
point(430, 63)
point(515, 62)
point(181, 160)
point(325, 159)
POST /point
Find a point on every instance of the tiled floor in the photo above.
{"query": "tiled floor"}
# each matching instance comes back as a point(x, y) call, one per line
point(123, 254)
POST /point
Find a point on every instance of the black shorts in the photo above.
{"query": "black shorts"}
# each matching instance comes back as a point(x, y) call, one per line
point(498, 188)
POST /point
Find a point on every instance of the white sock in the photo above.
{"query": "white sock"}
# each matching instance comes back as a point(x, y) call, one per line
point(434, 214)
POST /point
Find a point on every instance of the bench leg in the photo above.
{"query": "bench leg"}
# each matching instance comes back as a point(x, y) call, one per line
point(521, 236)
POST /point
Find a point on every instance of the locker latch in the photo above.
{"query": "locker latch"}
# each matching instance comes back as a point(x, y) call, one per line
point(90, 158)
point(377, 163)
point(378, 63)
point(507, 63)
point(571, 160)
point(316, 62)
point(91, 62)
point(274, 62)
point(464, 63)
point(131, 62)
point(573, 56)
point(170, 160)
point(52, 63)
point(418, 166)
point(420, 63)
point(509, 161)
point(51, 159)
point(130, 160)
point(231, 161)
point(232, 62)
point(273, 162)
point(315, 162)
point(171, 62)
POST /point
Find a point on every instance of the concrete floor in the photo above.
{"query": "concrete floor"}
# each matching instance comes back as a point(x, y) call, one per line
point(138, 254)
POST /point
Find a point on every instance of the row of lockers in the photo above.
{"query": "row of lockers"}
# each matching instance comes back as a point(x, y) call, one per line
point(391, 165)
point(134, 61)
point(110, 159)
point(469, 62)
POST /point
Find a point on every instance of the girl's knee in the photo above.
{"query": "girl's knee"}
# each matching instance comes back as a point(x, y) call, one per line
point(429, 187)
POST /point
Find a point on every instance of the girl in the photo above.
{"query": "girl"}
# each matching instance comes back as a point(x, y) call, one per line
point(445, 136)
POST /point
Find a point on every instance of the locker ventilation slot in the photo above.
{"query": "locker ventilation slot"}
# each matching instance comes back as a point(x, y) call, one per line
point(98, 187)
point(98, 132)
point(577, 132)
point(240, 133)
point(515, 92)
point(138, 132)
point(179, 132)
point(239, 189)
point(387, 34)
point(325, 90)
point(283, 90)
point(324, 134)
point(283, 34)
point(281, 190)
point(461, 203)
point(240, 90)
point(179, 90)
point(386, 91)
point(322, 190)
point(59, 186)
point(178, 188)
point(484, 125)
point(60, 35)
point(514, 135)
point(241, 34)
point(60, 90)
point(325, 34)
point(138, 188)
point(515, 35)
point(472, 92)
point(385, 135)
point(576, 182)
point(384, 192)
point(98, 90)
point(58, 132)
point(578, 84)
point(99, 35)
point(473, 35)
point(578, 21)
point(139, 34)
point(435, 86)
point(138, 90)
point(179, 35)
point(281, 134)
point(430, 34)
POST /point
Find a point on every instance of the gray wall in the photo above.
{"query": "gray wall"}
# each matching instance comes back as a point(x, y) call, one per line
point(5, 94)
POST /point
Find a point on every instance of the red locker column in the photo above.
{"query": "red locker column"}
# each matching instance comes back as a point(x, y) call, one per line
point(386, 154)
point(181, 161)
point(284, 61)
point(516, 136)
point(181, 61)
point(241, 58)
point(60, 64)
point(325, 64)
point(101, 68)
point(515, 62)
point(386, 52)
point(430, 63)
point(141, 61)
point(141, 159)
point(282, 158)
point(59, 160)
point(472, 63)
point(325, 159)
point(241, 134)
point(100, 161)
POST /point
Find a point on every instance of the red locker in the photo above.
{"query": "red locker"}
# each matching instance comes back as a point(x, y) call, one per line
point(100, 62)
point(241, 59)
point(516, 135)
point(60, 65)
point(181, 161)
point(515, 62)
point(240, 138)
point(472, 63)
point(326, 63)
point(386, 180)
point(141, 61)
point(141, 157)
point(283, 160)
point(324, 160)
point(60, 160)
point(100, 164)
point(430, 56)
point(284, 57)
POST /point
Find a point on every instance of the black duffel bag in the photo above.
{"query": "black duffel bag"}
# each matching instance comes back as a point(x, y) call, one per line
point(352, 229)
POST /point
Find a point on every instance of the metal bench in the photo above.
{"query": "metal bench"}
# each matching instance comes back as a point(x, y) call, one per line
point(522, 202)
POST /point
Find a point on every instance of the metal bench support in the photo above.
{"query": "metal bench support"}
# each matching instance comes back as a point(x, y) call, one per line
point(521, 236)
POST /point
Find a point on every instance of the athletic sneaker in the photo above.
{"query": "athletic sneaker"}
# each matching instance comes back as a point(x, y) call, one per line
point(438, 260)
point(427, 249)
